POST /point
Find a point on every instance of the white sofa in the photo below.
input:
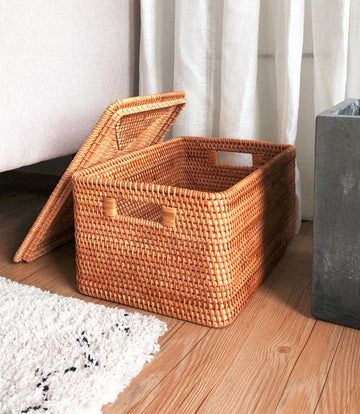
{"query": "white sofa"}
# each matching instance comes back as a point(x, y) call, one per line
point(62, 63)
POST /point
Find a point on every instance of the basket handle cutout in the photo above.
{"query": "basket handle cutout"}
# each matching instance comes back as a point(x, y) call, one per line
point(146, 212)
point(235, 159)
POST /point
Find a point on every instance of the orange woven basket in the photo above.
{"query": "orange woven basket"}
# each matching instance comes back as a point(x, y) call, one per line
point(170, 229)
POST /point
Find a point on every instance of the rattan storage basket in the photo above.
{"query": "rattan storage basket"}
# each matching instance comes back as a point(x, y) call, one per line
point(171, 230)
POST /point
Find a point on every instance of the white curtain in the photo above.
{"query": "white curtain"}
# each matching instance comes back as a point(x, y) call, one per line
point(255, 69)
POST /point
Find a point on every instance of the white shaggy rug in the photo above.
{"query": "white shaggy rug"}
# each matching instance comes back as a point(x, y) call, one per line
point(61, 355)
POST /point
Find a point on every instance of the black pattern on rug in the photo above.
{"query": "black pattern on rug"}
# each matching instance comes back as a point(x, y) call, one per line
point(42, 379)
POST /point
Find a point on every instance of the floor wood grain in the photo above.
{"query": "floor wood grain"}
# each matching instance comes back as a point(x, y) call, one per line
point(273, 359)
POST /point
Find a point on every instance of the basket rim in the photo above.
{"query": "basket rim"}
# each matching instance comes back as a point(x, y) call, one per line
point(91, 175)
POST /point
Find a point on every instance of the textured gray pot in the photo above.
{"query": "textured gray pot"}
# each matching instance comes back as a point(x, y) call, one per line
point(336, 273)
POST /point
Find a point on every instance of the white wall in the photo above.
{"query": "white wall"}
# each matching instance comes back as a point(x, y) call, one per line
point(61, 64)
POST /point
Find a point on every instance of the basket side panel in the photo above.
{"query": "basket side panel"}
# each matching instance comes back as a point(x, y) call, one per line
point(181, 271)
point(263, 224)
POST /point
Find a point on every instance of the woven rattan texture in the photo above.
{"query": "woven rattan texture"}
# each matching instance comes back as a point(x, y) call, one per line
point(125, 126)
point(170, 230)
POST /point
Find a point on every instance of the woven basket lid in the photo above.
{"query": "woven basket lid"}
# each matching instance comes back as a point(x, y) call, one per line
point(125, 126)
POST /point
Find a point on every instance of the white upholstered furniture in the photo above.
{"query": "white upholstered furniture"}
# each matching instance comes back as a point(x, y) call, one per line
point(62, 62)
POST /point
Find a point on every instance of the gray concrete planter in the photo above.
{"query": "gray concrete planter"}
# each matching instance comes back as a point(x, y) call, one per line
point(336, 273)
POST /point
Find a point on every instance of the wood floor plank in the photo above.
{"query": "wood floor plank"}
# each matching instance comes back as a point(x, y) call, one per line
point(263, 338)
point(172, 353)
point(305, 383)
point(266, 360)
point(273, 358)
point(341, 393)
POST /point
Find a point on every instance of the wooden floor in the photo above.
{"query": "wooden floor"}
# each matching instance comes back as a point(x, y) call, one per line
point(273, 358)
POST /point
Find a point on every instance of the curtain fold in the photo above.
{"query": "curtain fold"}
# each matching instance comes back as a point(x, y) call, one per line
point(288, 23)
point(157, 36)
point(192, 64)
point(330, 20)
point(353, 64)
point(240, 38)
point(247, 71)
